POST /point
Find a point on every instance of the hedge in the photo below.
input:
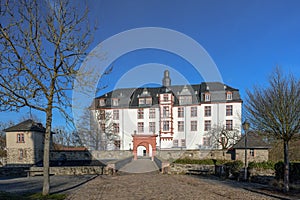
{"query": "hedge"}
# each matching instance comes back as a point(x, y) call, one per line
point(294, 171)
point(200, 162)
point(262, 165)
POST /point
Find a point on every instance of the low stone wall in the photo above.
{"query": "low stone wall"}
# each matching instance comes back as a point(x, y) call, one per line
point(183, 168)
point(111, 155)
point(169, 155)
point(70, 155)
point(76, 170)
point(263, 176)
point(172, 155)
point(162, 164)
point(13, 171)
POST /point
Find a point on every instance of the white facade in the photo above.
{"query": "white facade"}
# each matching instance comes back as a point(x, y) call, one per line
point(178, 115)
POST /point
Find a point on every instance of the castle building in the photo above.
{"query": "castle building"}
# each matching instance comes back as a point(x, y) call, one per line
point(167, 117)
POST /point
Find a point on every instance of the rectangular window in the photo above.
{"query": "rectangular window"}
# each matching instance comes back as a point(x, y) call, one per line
point(152, 127)
point(102, 114)
point(166, 126)
point(193, 125)
point(207, 111)
point(229, 110)
point(180, 126)
point(183, 100)
point(115, 102)
point(181, 112)
point(102, 102)
point(166, 111)
point(142, 101)
point(229, 96)
point(149, 101)
point(229, 125)
point(183, 142)
point(20, 138)
point(166, 98)
point(152, 113)
point(103, 127)
point(140, 113)
point(207, 125)
point(141, 127)
point(193, 111)
point(116, 128)
point(116, 114)
point(21, 154)
point(117, 144)
point(252, 152)
point(206, 97)
point(175, 143)
point(206, 141)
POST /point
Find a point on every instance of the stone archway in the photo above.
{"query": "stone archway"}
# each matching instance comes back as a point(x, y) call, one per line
point(148, 141)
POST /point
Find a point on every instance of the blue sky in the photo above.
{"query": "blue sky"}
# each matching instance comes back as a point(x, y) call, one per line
point(246, 39)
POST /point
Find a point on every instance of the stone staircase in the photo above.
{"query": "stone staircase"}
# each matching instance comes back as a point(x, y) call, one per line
point(141, 165)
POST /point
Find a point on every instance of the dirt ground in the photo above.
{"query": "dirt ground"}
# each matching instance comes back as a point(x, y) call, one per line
point(158, 186)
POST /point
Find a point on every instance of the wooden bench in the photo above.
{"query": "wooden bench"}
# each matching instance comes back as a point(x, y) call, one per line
point(33, 172)
point(198, 171)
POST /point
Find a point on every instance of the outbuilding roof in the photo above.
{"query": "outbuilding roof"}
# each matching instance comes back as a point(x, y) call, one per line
point(28, 125)
point(255, 140)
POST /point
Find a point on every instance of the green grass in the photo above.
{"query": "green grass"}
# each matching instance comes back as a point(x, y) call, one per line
point(35, 196)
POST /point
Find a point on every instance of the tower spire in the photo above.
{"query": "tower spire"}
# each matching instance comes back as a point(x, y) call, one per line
point(166, 82)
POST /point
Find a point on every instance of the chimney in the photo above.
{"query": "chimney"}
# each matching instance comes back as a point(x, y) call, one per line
point(166, 82)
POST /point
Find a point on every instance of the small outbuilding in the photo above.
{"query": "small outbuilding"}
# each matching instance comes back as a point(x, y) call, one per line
point(25, 143)
point(257, 148)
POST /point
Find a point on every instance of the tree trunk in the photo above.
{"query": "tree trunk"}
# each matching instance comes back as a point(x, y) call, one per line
point(286, 166)
point(46, 183)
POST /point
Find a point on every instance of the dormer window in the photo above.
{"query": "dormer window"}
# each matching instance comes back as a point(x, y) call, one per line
point(229, 96)
point(183, 100)
point(145, 101)
point(115, 102)
point(102, 102)
point(207, 97)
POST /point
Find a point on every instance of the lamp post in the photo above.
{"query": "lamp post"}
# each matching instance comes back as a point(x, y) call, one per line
point(246, 126)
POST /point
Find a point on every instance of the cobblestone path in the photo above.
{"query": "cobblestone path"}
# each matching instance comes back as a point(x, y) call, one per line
point(158, 186)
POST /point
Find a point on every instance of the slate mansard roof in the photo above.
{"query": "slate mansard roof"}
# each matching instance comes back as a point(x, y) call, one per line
point(129, 97)
point(28, 125)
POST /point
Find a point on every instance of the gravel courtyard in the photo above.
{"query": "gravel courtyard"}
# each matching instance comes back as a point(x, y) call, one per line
point(158, 186)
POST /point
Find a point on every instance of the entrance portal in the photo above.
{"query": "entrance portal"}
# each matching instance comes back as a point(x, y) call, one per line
point(144, 145)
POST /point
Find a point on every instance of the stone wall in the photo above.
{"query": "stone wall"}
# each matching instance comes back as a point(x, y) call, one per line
point(13, 171)
point(169, 155)
point(259, 155)
point(13, 156)
point(111, 155)
point(74, 170)
point(70, 155)
point(183, 168)
point(172, 155)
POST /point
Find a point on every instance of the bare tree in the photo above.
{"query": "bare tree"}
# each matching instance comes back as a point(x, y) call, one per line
point(64, 137)
point(222, 137)
point(42, 44)
point(276, 110)
point(4, 125)
point(96, 130)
